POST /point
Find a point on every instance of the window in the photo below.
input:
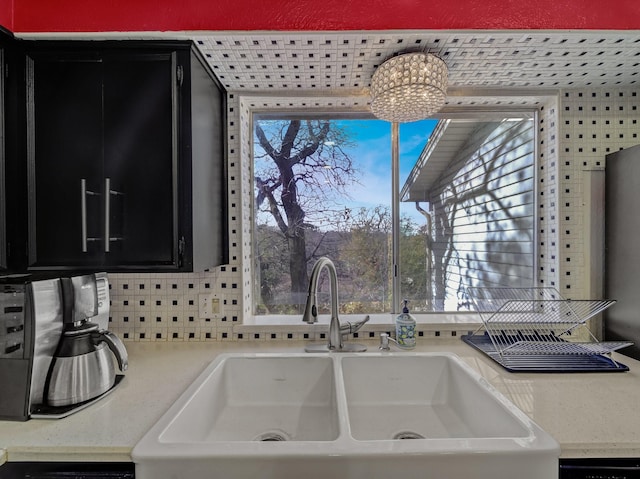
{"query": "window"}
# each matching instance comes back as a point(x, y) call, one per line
point(323, 187)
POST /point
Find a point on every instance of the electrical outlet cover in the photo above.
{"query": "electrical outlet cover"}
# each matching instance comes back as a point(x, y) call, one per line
point(208, 305)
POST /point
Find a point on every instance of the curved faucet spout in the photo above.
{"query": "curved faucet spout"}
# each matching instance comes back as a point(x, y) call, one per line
point(336, 330)
point(311, 309)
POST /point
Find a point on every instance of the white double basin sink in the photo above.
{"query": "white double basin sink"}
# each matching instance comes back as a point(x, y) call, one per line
point(351, 416)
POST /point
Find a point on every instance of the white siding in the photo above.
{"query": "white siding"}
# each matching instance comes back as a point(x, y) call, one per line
point(483, 211)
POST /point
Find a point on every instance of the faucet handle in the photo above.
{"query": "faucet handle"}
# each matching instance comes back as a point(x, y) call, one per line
point(348, 327)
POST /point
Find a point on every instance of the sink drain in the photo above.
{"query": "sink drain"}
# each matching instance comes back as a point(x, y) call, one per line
point(272, 436)
point(408, 435)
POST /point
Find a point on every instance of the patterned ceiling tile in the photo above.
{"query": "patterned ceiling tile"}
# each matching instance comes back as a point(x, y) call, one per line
point(343, 63)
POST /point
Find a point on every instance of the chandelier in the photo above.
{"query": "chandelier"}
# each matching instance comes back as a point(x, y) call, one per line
point(409, 87)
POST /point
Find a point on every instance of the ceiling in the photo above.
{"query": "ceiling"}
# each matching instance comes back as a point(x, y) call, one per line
point(513, 63)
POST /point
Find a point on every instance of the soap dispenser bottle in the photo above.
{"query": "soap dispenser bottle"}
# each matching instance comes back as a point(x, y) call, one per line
point(406, 328)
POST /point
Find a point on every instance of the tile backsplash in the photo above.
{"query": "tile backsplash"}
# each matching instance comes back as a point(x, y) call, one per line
point(577, 128)
point(166, 307)
point(592, 123)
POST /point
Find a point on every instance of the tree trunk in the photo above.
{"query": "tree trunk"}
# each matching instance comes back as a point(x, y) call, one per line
point(298, 268)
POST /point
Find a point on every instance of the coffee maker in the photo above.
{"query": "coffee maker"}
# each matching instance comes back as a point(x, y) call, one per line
point(46, 370)
point(82, 368)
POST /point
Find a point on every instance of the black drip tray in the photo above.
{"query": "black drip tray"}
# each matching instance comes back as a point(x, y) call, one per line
point(544, 363)
point(43, 411)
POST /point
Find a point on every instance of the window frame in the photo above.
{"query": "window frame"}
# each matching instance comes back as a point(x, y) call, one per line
point(466, 113)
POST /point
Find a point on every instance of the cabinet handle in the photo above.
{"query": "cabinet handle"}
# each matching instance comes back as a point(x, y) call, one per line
point(84, 192)
point(107, 214)
point(83, 203)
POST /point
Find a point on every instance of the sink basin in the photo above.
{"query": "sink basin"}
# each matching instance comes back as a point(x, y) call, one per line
point(369, 415)
point(266, 399)
point(413, 397)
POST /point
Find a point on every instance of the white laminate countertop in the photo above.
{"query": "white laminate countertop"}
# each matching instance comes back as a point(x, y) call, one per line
point(589, 414)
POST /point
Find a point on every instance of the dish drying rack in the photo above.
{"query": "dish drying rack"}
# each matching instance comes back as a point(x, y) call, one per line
point(535, 329)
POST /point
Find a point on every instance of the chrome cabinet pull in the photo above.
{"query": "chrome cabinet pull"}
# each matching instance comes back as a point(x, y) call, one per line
point(84, 192)
point(107, 215)
point(83, 203)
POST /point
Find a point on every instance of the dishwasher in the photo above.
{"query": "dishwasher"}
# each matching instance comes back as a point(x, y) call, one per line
point(604, 468)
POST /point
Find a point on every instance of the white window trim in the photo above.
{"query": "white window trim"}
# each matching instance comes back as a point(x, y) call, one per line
point(529, 102)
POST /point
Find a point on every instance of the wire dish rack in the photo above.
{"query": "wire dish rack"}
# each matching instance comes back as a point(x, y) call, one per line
point(536, 329)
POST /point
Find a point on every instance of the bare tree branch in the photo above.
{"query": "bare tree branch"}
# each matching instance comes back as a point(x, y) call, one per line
point(309, 166)
point(273, 205)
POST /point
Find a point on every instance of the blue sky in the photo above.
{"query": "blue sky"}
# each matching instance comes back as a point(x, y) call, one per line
point(371, 155)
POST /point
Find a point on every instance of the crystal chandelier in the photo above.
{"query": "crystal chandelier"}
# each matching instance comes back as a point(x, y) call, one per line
point(409, 87)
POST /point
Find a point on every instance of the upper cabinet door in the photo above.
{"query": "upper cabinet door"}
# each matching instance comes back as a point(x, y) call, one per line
point(125, 150)
point(140, 160)
point(65, 160)
point(102, 160)
point(3, 153)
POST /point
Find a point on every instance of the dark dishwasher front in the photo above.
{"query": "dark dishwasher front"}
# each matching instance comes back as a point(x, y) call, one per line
point(609, 468)
point(67, 470)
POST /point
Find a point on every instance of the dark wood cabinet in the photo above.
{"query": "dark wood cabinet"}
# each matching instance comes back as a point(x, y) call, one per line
point(65, 124)
point(6, 41)
point(3, 216)
point(125, 158)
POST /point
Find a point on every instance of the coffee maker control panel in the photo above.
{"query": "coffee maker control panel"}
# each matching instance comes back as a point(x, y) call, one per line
point(12, 314)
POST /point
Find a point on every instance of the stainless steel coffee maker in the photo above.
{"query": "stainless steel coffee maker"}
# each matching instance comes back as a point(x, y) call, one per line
point(47, 371)
point(82, 368)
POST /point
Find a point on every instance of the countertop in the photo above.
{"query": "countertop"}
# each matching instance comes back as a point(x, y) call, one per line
point(589, 414)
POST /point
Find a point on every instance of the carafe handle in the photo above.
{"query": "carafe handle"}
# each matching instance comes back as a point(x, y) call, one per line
point(117, 348)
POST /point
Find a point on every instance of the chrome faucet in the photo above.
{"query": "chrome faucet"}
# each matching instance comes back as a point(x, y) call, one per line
point(336, 330)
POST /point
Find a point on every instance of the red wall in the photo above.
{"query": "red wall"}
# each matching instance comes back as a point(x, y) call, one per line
point(167, 15)
point(6, 14)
